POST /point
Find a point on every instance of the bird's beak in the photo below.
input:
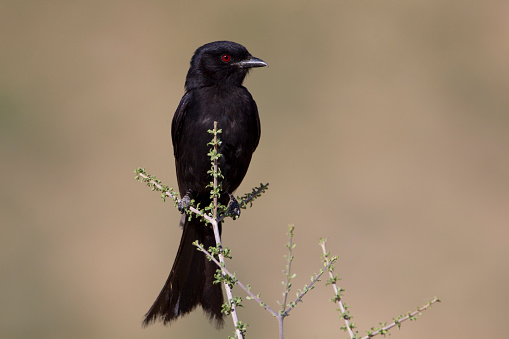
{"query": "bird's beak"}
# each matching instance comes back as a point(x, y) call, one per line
point(251, 62)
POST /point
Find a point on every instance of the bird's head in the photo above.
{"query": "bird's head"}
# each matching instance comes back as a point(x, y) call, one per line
point(220, 62)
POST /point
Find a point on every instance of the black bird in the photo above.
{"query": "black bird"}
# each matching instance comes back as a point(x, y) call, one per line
point(213, 92)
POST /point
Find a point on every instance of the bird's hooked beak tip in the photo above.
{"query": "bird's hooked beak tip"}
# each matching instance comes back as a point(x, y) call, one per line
point(252, 62)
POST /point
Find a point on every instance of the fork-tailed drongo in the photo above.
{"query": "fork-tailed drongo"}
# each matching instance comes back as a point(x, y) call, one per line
point(213, 92)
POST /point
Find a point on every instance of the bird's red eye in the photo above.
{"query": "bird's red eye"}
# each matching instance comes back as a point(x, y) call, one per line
point(225, 58)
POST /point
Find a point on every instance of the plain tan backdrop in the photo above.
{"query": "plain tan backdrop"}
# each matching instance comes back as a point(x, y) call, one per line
point(385, 128)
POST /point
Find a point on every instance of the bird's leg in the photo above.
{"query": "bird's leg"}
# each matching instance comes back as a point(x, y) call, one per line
point(185, 202)
point(233, 207)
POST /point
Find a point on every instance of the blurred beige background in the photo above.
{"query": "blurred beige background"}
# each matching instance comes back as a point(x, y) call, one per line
point(385, 127)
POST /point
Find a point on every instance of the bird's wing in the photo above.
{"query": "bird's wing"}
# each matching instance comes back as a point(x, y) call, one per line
point(178, 118)
point(258, 126)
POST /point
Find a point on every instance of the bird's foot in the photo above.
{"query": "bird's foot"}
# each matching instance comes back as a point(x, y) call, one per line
point(233, 207)
point(184, 203)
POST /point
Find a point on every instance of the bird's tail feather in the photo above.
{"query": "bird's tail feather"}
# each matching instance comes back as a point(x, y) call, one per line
point(190, 282)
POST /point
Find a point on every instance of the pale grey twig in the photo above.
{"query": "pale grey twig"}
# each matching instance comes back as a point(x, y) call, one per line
point(337, 292)
point(308, 288)
point(398, 321)
point(193, 209)
point(215, 227)
point(238, 282)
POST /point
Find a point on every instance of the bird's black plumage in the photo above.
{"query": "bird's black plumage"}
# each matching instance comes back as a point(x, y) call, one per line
point(214, 92)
